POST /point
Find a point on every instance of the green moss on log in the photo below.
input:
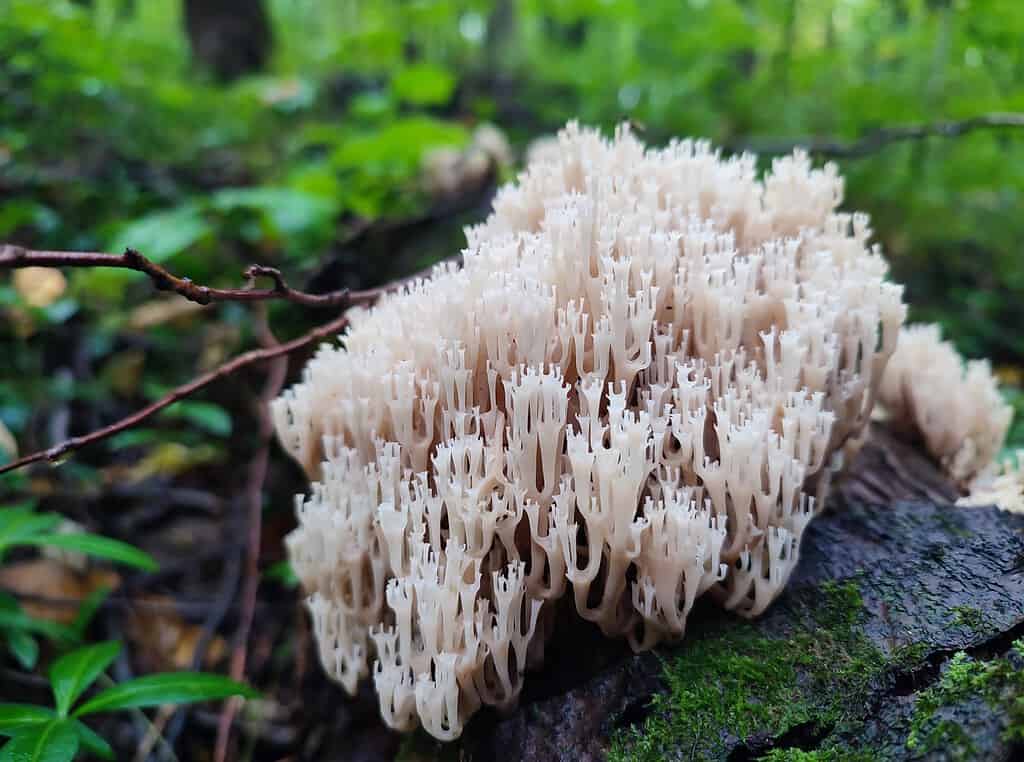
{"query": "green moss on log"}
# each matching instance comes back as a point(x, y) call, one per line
point(999, 683)
point(735, 683)
point(968, 617)
point(819, 755)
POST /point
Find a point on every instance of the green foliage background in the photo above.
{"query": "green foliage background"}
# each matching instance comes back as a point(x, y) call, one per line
point(111, 135)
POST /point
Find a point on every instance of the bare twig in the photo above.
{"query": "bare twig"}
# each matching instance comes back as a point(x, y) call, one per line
point(213, 619)
point(16, 256)
point(254, 500)
point(12, 256)
point(330, 329)
point(154, 733)
point(878, 139)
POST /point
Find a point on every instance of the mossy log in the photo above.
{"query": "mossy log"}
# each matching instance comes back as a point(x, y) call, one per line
point(901, 636)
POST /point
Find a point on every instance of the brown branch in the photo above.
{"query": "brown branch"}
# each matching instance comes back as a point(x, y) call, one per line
point(12, 257)
point(332, 328)
point(882, 137)
point(15, 256)
point(254, 500)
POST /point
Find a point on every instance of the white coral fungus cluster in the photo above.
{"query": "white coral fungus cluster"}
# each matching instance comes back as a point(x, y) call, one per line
point(1001, 485)
point(954, 406)
point(631, 392)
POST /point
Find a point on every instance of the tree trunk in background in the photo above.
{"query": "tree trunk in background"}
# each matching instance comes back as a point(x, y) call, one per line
point(230, 37)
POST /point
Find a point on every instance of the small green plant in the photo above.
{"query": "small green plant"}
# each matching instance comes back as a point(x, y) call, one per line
point(56, 734)
point(22, 526)
point(282, 573)
point(18, 628)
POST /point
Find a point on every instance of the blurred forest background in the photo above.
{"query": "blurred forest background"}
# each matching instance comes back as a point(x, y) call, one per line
point(346, 143)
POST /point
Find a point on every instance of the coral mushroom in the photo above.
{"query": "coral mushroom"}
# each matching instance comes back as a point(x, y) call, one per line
point(954, 407)
point(633, 391)
point(1000, 484)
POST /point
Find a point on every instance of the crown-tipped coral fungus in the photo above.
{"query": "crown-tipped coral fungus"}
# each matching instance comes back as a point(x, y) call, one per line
point(952, 405)
point(634, 390)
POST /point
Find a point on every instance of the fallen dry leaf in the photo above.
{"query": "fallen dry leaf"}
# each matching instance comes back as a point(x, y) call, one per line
point(165, 459)
point(123, 371)
point(161, 311)
point(8, 444)
point(63, 587)
point(1010, 375)
point(167, 640)
point(40, 286)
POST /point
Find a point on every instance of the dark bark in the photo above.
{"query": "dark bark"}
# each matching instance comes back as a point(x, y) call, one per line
point(230, 37)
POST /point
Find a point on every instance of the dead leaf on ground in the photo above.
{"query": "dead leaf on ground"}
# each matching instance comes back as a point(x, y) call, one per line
point(62, 586)
point(8, 444)
point(40, 286)
point(123, 371)
point(1010, 375)
point(165, 459)
point(167, 640)
point(160, 311)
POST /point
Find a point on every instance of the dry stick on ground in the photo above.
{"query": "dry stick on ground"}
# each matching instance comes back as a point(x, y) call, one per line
point(154, 733)
point(254, 499)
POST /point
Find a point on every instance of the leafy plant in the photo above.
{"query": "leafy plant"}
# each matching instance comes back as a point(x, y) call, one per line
point(56, 734)
point(21, 525)
point(19, 630)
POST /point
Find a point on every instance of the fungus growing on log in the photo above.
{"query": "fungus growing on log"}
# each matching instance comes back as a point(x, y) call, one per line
point(635, 390)
point(953, 406)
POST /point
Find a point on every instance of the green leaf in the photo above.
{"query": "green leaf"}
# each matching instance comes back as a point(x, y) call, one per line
point(424, 85)
point(165, 688)
point(211, 418)
point(20, 523)
point(14, 718)
point(16, 619)
point(25, 506)
point(91, 741)
point(136, 438)
point(98, 547)
point(87, 610)
point(283, 573)
point(23, 647)
point(60, 311)
point(56, 741)
point(401, 143)
point(290, 212)
point(161, 235)
point(74, 672)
